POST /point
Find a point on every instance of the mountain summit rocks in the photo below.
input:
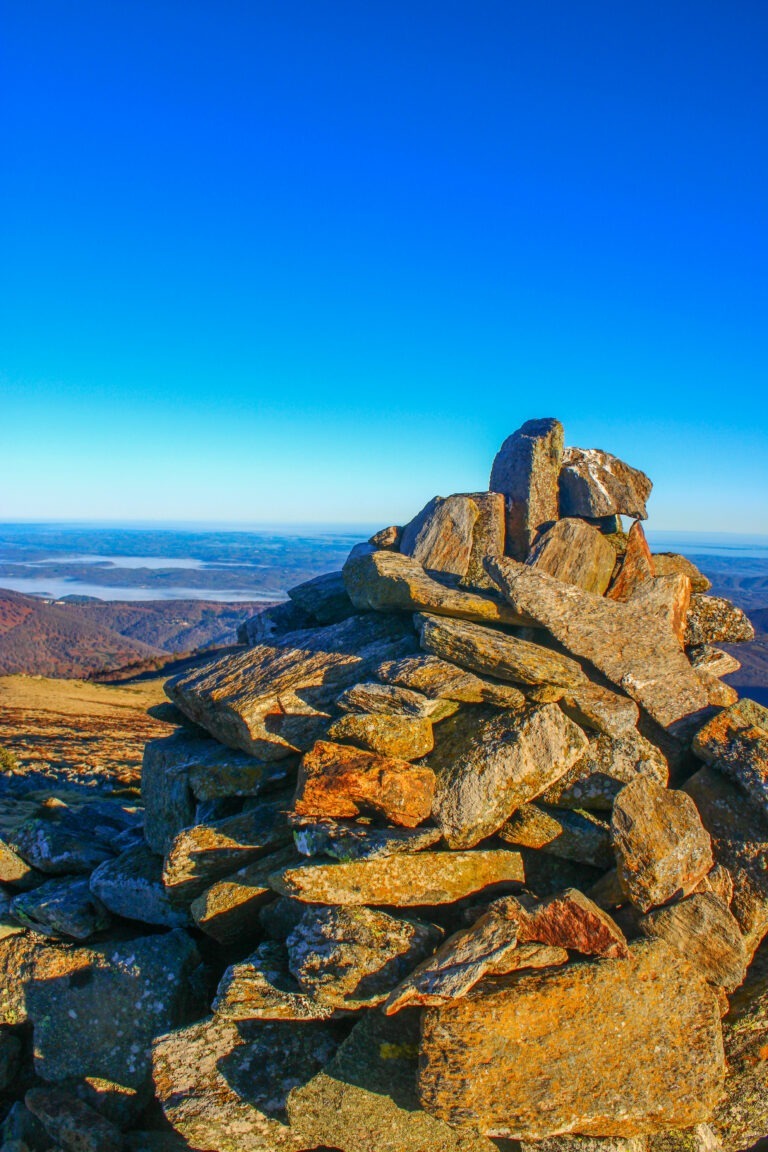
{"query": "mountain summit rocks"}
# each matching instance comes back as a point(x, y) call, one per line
point(465, 845)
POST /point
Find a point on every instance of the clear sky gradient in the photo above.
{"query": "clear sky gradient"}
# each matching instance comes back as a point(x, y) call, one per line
point(314, 259)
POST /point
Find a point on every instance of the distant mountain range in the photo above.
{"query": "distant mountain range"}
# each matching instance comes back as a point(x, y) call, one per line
point(65, 639)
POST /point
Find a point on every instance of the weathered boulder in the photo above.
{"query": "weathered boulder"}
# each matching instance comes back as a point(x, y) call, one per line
point(261, 987)
point(567, 919)
point(227, 911)
point(339, 781)
point(706, 658)
point(636, 567)
point(570, 835)
point(662, 848)
point(702, 929)
point(392, 700)
point(440, 537)
point(488, 763)
point(392, 582)
point(365, 1099)
point(324, 598)
point(275, 698)
point(14, 870)
point(224, 1085)
point(576, 553)
point(741, 1118)
point(594, 706)
point(403, 880)
point(274, 621)
point(736, 742)
point(595, 483)
point(445, 681)
point(53, 847)
point(348, 840)
point(637, 645)
point(387, 537)
point(525, 471)
point(407, 737)
point(667, 563)
point(71, 1122)
point(548, 1059)
point(169, 803)
point(493, 653)
point(488, 537)
point(715, 620)
point(62, 908)
point(607, 764)
point(131, 885)
point(353, 957)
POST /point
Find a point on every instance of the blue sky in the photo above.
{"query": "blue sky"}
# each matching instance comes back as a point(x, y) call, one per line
point(314, 261)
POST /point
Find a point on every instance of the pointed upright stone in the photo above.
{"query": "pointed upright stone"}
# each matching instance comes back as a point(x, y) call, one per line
point(595, 483)
point(440, 537)
point(526, 471)
point(488, 537)
point(576, 553)
point(636, 566)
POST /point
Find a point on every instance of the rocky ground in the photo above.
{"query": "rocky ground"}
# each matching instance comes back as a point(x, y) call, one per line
point(465, 848)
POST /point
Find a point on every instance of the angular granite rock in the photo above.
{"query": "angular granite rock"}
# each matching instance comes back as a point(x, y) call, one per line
point(551, 1050)
point(205, 852)
point(715, 620)
point(487, 538)
point(571, 835)
point(719, 695)
point(493, 653)
point(608, 763)
point(388, 538)
point(131, 885)
point(526, 471)
point(392, 700)
point(741, 1118)
point(365, 1099)
point(392, 582)
point(594, 706)
point(706, 658)
point(353, 957)
point(637, 645)
point(169, 803)
point(223, 1085)
point(576, 553)
point(736, 742)
point(15, 872)
point(636, 566)
point(72, 1123)
point(336, 780)
point(274, 699)
point(488, 763)
point(407, 737)
point(62, 908)
point(228, 910)
point(272, 622)
point(740, 841)
point(567, 919)
point(594, 1144)
point(324, 598)
point(667, 563)
point(595, 483)
point(404, 880)
point(261, 987)
point(358, 840)
point(440, 537)
point(51, 847)
point(702, 929)
point(445, 681)
point(662, 848)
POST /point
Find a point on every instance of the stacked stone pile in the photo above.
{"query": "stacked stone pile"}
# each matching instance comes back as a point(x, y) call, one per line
point(468, 845)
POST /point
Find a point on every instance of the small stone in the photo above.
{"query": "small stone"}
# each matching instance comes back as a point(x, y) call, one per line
point(352, 958)
point(403, 880)
point(407, 737)
point(566, 919)
point(555, 1050)
point(388, 538)
point(498, 654)
point(637, 645)
point(390, 700)
point(228, 910)
point(595, 483)
point(736, 742)
point(526, 471)
point(487, 538)
point(701, 929)
point(662, 848)
point(445, 681)
point(56, 850)
point(131, 885)
point(365, 1099)
point(15, 872)
point(262, 987)
point(707, 658)
point(636, 566)
point(715, 620)
point(205, 852)
point(346, 840)
point(440, 537)
point(73, 1123)
point(224, 1085)
point(488, 763)
point(668, 563)
point(338, 781)
point(324, 598)
point(575, 553)
point(392, 582)
point(594, 706)
point(608, 763)
point(62, 908)
point(719, 695)
point(571, 835)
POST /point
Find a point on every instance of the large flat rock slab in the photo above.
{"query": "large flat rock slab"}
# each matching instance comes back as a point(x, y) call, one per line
point(603, 1048)
point(637, 644)
point(277, 698)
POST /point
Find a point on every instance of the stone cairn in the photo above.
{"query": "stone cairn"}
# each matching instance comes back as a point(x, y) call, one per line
point(468, 845)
